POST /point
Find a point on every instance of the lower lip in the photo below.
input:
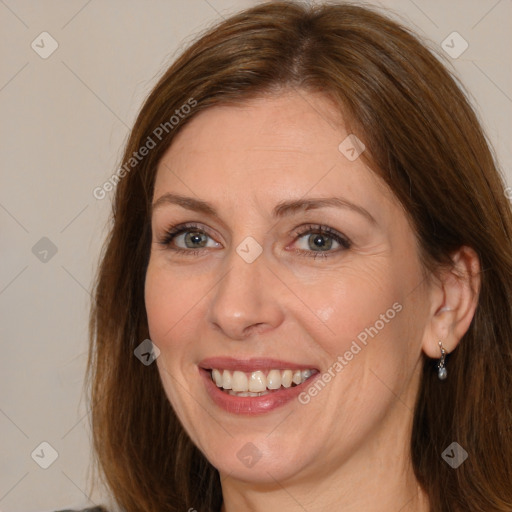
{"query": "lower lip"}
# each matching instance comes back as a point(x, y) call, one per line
point(252, 404)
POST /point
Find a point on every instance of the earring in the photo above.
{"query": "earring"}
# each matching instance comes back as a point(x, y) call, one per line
point(442, 373)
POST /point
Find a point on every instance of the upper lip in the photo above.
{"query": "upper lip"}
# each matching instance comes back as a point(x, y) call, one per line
point(250, 365)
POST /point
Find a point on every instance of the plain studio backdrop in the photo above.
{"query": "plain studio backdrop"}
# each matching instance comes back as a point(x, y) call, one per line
point(73, 76)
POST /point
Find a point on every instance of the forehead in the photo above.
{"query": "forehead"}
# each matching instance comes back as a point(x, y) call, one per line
point(272, 145)
point(297, 122)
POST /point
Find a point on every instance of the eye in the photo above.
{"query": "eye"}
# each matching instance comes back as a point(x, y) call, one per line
point(191, 235)
point(319, 241)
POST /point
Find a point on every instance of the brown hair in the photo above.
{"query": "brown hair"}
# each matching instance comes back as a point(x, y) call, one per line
point(425, 141)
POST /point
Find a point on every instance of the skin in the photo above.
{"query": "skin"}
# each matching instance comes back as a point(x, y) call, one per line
point(350, 444)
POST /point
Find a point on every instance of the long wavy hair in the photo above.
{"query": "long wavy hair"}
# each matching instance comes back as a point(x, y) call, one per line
point(424, 139)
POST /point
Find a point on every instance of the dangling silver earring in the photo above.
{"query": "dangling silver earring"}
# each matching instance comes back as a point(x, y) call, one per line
point(442, 373)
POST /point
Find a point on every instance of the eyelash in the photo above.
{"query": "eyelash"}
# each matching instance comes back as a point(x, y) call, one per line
point(310, 229)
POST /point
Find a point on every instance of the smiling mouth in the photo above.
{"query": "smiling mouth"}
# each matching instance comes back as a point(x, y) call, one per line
point(258, 383)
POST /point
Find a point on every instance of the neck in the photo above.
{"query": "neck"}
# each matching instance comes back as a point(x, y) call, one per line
point(376, 477)
point(370, 496)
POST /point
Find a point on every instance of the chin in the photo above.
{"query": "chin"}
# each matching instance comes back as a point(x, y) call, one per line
point(255, 460)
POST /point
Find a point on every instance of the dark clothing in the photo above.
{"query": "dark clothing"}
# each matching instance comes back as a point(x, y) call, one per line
point(94, 509)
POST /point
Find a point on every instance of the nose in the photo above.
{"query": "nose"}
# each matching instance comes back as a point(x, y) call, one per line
point(245, 302)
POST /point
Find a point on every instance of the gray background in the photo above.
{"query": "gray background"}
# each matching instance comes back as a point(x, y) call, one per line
point(64, 121)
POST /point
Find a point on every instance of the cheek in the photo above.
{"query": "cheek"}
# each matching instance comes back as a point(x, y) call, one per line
point(347, 306)
point(159, 302)
point(169, 301)
point(170, 304)
point(364, 329)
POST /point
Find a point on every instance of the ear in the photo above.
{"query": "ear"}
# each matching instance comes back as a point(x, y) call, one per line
point(453, 300)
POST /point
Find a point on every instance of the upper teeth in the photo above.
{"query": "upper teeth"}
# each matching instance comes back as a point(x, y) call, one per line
point(258, 381)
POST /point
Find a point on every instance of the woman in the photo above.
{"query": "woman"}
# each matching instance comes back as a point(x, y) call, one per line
point(232, 368)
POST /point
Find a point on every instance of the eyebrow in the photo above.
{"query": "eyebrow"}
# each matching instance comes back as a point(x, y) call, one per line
point(282, 209)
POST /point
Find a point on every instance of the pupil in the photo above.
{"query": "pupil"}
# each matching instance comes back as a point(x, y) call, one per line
point(195, 239)
point(319, 241)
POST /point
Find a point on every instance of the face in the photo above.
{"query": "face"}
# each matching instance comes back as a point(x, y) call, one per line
point(310, 316)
